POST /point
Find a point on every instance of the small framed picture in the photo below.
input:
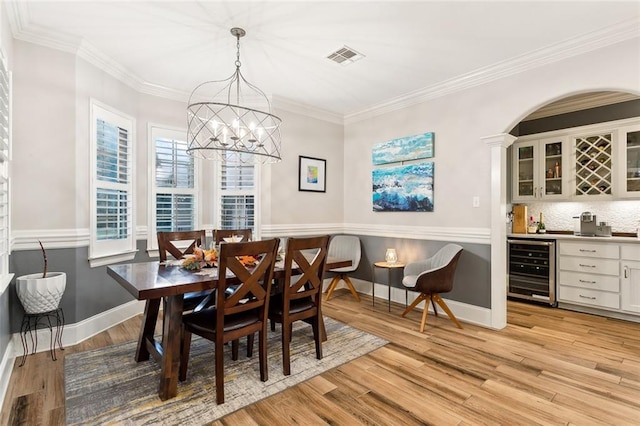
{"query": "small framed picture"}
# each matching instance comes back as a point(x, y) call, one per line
point(312, 174)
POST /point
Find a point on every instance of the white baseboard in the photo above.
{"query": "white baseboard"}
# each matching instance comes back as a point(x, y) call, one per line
point(463, 311)
point(6, 367)
point(76, 333)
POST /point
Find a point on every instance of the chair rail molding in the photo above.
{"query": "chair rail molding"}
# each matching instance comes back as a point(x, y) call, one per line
point(433, 233)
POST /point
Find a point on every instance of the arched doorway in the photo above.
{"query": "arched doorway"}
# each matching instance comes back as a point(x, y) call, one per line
point(566, 104)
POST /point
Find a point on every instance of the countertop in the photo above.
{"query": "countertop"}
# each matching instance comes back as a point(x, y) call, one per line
point(569, 237)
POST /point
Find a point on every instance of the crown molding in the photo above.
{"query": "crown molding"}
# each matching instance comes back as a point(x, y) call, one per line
point(96, 57)
point(18, 17)
point(623, 31)
point(307, 110)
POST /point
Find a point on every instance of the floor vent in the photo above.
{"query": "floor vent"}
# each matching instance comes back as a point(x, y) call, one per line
point(345, 56)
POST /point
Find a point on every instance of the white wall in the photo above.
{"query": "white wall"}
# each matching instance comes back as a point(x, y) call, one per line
point(43, 138)
point(460, 120)
point(309, 137)
point(51, 148)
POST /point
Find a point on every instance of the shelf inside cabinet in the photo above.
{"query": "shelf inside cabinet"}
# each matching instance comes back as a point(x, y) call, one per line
point(594, 164)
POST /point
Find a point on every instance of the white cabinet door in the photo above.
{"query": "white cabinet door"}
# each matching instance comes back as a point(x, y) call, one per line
point(630, 286)
point(525, 172)
point(629, 182)
point(540, 169)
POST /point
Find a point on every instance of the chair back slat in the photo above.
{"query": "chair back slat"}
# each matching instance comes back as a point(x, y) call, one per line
point(308, 282)
point(250, 284)
point(166, 242)
point(220, 234)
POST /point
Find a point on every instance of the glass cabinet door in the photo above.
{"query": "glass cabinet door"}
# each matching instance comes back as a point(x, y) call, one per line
point(525, 164)
point(631, 145)
point(552, 167)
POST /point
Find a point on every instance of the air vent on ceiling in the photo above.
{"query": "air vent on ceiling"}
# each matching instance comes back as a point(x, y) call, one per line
point(345, 55)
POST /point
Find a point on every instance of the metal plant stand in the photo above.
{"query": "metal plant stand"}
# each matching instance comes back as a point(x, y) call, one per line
point(30, 325)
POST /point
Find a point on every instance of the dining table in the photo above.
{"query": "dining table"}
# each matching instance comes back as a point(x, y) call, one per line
point(154, 281)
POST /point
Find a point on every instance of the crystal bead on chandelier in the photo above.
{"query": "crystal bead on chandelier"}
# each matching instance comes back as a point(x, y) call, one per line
point(231, 120)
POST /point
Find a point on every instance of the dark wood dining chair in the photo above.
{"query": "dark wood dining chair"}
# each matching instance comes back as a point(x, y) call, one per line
point(220, 234)
point(242, 313)
point(166, 245)
point(301, 296)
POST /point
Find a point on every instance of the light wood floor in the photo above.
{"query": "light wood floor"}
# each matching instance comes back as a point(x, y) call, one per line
point(548, 366)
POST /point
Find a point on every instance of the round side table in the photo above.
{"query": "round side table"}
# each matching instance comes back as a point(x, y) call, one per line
point(389, 267)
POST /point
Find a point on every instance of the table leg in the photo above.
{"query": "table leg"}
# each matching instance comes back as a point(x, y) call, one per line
point(171, 335)
point(389, 285)
point(149, 319)
point(373, 285)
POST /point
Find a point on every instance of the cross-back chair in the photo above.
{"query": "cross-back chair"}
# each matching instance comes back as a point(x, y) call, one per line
point(167, 245)
point(220, 234)
point(241, 313)
point(301, 296)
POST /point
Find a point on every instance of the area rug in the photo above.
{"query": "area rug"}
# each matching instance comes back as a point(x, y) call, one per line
point(107, 386)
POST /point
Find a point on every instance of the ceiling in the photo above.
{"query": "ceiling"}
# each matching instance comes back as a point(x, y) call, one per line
point(411, 49)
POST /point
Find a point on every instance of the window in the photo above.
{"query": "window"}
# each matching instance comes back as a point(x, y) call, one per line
point(173, 184)
point(112, 203)
point(5, 138)
point(237, 196)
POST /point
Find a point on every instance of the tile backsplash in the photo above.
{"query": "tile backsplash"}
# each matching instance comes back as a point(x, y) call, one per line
point(622, 216)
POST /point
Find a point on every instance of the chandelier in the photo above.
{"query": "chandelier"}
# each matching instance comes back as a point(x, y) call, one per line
point(231, 120)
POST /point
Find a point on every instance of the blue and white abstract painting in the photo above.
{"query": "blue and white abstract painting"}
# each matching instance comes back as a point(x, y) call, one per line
point(403, 188)
point(403, 149)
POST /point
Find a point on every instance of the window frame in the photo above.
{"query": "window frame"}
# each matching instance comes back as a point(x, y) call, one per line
point(219, 193)
point(154, 131)
point(5, 176)
point(104, 252)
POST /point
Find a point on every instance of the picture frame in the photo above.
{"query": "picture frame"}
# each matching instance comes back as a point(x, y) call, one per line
point(312, 175)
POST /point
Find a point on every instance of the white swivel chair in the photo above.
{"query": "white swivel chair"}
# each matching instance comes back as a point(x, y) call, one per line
point(344, 247)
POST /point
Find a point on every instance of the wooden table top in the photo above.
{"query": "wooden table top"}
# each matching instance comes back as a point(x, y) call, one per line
point(151, 280)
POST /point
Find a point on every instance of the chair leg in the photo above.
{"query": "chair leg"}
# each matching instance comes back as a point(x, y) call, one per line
point(317, 337)
point(415, 303)
point(286, 339)
point(444, 306)
point(262, 354)
point(219, 359)
point(332, 286)
point(425, 310)
point(234, 349)
point(351, 287)
point(433, 303)
point(250, 345)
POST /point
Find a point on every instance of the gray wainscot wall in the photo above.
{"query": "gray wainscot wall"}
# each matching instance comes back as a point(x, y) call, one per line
point(91, 291)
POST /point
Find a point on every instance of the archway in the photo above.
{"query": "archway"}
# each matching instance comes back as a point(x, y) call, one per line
point(498, 145)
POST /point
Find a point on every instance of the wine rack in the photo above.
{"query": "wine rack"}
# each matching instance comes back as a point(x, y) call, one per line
point(594, 165)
